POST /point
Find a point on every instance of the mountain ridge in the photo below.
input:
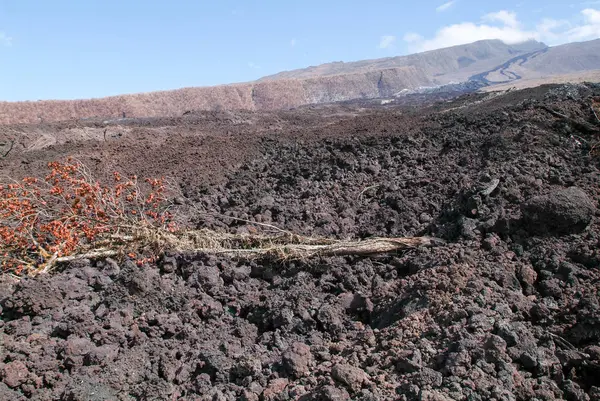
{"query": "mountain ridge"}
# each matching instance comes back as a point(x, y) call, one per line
point(478, 64)
point(480, 50)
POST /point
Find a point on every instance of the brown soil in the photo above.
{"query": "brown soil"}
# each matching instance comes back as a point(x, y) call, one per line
point(506, 309)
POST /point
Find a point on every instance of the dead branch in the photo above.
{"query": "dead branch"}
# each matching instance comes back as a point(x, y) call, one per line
point(595, 114)
point(279, 247)
point(269, 247)
point(490, 188)
point(12, 144)
point(367, 189)
point(342, 248)
point(99, 254)
point(48, 265)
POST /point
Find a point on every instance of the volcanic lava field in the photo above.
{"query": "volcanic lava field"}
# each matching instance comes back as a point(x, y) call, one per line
point(503, 305)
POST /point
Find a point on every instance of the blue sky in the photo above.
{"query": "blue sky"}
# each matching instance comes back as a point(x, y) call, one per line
point(66, 49)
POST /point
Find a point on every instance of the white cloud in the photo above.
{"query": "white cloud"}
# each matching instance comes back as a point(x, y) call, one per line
point(254, 66)
point(505, 25)
point(5, 40)
point(293, 42)
point(590, 29)
point(386, 41)
point(508, 18)
point(412, 37)
point(551, 30)
point(445, 6)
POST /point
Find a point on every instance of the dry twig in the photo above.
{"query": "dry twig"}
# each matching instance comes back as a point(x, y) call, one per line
point(12, 144)
point(254, 246)
point(594, 111)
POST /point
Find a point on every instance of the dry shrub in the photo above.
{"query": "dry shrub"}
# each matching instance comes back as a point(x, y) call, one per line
point(69, 213)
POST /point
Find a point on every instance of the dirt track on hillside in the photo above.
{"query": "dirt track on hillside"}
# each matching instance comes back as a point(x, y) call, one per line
point(506, 309)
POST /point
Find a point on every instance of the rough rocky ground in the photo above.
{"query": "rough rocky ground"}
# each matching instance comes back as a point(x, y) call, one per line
point(506, 309)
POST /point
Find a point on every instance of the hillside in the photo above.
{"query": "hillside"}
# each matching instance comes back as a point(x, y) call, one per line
point(566, 59)
point(486, 62)
point(273, 95)
point(455, 63)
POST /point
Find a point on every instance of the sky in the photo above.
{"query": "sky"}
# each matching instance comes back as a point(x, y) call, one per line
point(71, 49)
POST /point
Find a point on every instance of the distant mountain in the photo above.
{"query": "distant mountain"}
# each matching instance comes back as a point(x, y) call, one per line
point(458, 68)
point(443, 66)
point(558, 60)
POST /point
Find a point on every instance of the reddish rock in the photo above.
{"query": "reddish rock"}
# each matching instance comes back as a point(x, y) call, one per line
point(275, 387)
point(296, 359)
point(350, 376)
point(527, 275)
point(14, 374)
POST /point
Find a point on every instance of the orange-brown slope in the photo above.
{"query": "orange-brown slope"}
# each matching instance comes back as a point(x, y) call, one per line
point(249, 96)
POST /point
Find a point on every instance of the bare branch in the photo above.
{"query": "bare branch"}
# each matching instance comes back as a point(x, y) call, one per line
point(342, 248)
point(594, 111)
point(12, 144)
point(282, 251)
point(99, 254)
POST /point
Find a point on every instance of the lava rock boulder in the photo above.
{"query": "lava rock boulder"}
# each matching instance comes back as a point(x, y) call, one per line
point(563, 211)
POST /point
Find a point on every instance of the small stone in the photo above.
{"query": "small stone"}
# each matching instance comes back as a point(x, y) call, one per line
point(357, 304)
point(509, 335)
point(594, 393)
point(490, 242)
point(528, 360)
point(266, 202)
point(373, 169)
point(425, 218)
point(573, 392)
point(432, 395)
point(551, 288)
point(168, 264)
point(468, 228)
point(481, 322)
point(247, 366)
point(458, 363)
point(540, 312)
point(409, 361)
point(349, 375)
point(429, 378)
point(111, 268)
point(75, 350)
point(594, 352)
point(495, 343)
point(208, 277)
point(274, 389)
point(102, 355)
point(14, 374)
point(527, 275)
point(327, 393)
point(249, 396)
point(331, 393)
point(564, 211)
point(296, 359)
